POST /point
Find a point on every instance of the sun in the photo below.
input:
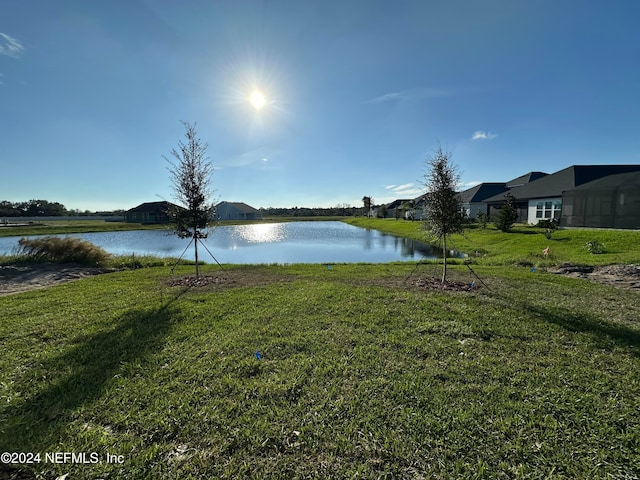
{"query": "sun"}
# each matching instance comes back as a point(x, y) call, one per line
point(257, 99)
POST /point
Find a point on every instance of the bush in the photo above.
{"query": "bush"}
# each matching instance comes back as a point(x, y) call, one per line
point(507, 215)
point(62, 250)
point(594, 247)
point(548, 223)
point(482, 220)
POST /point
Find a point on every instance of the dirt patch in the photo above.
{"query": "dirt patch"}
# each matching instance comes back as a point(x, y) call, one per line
point(230, 279)
point(621, 276)
point(25, 277)
point(203, 281)
point(430, 283)
point(22, 278)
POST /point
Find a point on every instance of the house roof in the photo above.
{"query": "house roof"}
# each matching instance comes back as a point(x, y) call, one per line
point(571, 177)
point(629, 179)
point(243, 207)
point(151, 207)
point(420, 200)
point(524, 179)
point(481, 192)
point(397, 203)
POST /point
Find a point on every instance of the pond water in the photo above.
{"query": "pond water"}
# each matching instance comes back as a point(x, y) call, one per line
point(291, 242)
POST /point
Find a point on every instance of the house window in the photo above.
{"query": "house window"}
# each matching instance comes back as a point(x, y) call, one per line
point(548, 210)
point(557, 208)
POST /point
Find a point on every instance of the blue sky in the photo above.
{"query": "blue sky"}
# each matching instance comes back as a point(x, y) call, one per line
point(359, 94)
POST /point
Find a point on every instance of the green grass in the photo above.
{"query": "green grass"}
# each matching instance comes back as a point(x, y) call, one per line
point(75, 226)
point(525, 244)
point(362, 375)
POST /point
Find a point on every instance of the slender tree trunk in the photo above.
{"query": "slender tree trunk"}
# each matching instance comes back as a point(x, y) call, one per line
point(195, 243)
point(444, 251)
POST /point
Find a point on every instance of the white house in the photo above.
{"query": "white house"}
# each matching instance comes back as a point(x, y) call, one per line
point(236, 211)
point(472, 200)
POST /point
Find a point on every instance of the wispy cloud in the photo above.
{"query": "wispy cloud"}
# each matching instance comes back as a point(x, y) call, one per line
point(422, 93)
point(412, 94)
point(466, 185)
point(259, 157)
point(481, 135)
point(10, 46)
point(407, 190)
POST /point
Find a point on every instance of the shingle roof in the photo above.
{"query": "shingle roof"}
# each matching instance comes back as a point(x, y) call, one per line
point(524, 179)
point(553, 185)
point(243, 207)
point(481, 192)
point(397, 203)
point(629, 179)
point(151, 207)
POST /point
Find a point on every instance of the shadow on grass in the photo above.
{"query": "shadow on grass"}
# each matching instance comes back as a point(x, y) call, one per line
point(80, 375)
point(604, 333)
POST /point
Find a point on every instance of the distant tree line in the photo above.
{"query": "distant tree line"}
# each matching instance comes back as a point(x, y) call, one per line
point(44, 208)
point(340, 210)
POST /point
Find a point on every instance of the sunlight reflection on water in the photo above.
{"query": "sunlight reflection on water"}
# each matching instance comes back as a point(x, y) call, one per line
point(260, 233)
point(292, 242)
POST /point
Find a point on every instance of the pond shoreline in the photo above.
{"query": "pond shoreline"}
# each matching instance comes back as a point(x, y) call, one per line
point(262, 243)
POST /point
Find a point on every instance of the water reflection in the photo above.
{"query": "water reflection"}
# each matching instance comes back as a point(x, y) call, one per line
point(412, 248)
point(260, 233)
point(294, 242)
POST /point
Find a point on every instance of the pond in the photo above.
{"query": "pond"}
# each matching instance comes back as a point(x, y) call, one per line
point(291, 242)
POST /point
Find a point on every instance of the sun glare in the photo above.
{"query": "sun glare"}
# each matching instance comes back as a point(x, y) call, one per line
point(262, 233)
point(257, 99)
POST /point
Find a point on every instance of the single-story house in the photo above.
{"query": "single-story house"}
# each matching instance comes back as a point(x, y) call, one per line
point(473, 199)
point(395, 208)
point(149, 212)
point(495, 202)
point(236, 211)
point(419, 210)
point(542, 198)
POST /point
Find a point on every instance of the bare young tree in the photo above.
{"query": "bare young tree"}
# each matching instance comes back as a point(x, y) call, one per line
point(443, 215)
point(191, 179)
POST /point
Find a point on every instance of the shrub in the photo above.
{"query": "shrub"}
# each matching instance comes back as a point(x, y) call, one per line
point(62, 250)
point(507, 215)
point(482, 220)
point(594, 247)
point(548, 223)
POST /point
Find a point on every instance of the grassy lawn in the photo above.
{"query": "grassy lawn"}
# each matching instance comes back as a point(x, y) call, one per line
point(361, 375)
point(524, 244)
point(55, 227)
